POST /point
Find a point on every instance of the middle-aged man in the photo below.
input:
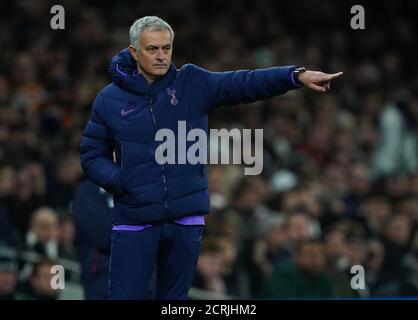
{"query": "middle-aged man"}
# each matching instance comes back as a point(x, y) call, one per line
point(159, 209)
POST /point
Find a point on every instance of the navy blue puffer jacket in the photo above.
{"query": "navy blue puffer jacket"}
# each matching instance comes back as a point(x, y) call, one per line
point(126, 116)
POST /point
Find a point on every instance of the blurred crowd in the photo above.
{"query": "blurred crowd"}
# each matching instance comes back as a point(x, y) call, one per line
point(340, 181)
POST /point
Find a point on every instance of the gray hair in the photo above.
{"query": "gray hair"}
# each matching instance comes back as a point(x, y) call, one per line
point(152, 23)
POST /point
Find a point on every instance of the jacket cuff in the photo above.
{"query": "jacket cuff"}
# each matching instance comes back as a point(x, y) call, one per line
point(295, 82)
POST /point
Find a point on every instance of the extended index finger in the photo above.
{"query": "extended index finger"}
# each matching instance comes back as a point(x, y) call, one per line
point(334, 75)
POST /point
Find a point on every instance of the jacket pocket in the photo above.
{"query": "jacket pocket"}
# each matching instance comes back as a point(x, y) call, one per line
point(135, 163)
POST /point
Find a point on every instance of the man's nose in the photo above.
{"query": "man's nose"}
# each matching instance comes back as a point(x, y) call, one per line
point(160, 54)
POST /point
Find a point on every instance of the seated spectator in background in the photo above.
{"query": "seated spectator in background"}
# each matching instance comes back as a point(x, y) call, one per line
point(409, 285)
point(66, 238)
point(29, 194)
point(233, 271)
point(396, 187)
point(38, 286)
point(360, 186)
point(269, 251)
point(8, 273)
point(247, 201)
point(9, 234)
point(7, 184)
point(303, 277)
point(409, 207)
point(376, 210)
point(64, 180)
point(396, 150)
point(301, 227)
point(209, 270)
point(335, 248)
point(43, 233)
point(303, 199)
point(41, 239)
point(278, 245)
point(374, 262)
point(397, 243)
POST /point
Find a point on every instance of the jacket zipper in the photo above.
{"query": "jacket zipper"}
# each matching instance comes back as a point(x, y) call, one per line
point(121, 164)
point(155, 129)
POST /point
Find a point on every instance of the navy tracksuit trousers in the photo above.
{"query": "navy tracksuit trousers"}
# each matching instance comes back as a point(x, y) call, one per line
point(170, 249)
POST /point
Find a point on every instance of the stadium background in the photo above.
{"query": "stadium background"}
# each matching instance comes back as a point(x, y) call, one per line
point(340, 169)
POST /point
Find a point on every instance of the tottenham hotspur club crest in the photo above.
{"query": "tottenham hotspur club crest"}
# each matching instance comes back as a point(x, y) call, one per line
point(172, 94)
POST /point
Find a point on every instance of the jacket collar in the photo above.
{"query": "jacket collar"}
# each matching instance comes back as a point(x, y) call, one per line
point(124, 73)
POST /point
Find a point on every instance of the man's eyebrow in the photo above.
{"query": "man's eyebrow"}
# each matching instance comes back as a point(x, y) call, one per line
point(156, 47)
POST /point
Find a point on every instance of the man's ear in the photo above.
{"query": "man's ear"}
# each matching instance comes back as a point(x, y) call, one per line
point(134, 52)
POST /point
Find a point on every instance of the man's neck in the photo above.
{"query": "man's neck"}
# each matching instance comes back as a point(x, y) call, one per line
point(150, 79)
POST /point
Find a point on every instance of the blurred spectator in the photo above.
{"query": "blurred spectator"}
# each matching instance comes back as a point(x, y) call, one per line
point(304, 277)
point(376, 210)
point(360, 187)
point(233, 271)
point(41, 240)
point(66, 238)
point(8, 273)
point(301, 227)
point(397, 244)
point(338, 264)
point(397, 151)
point(64, 181)
point(374, 263)
point(43, 234)
point(38, 286)
point(8, 232)
point(209, 269)
point(7, 184)
point(270, 251)
point(410, 271)
point(272, 248)
point(30, 194)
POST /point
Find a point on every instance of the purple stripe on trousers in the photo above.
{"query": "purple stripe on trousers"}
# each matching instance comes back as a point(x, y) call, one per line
point(186, 221)
point(124, 227)
point(191, 220)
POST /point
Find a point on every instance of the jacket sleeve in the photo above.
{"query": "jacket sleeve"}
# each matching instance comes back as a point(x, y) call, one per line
point(96, 151)
point(243, 86)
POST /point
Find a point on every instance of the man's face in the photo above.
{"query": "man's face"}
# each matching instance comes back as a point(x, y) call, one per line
point(311, 259)
point(41, 281)
point(45, 227)
point(7, 282)
point(154, 55)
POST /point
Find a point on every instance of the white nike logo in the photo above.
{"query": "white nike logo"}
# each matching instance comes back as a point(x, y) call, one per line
point(126, 112)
